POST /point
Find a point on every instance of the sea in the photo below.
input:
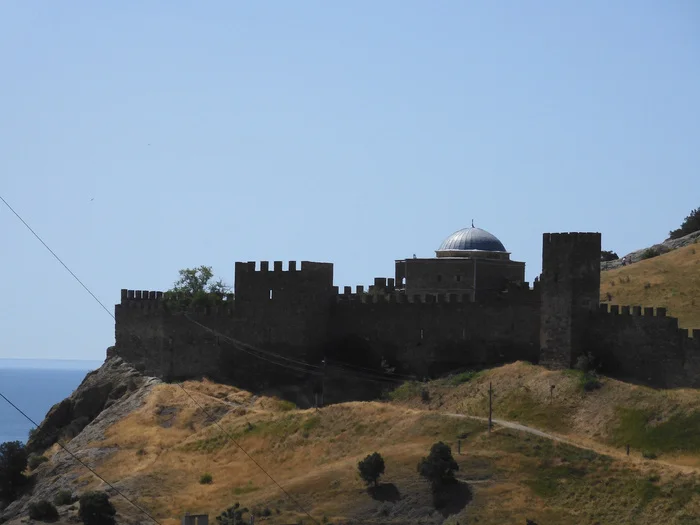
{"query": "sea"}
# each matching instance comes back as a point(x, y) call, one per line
point(34, 386)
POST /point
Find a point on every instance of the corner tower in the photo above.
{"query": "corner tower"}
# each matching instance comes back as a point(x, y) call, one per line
point(570, 288)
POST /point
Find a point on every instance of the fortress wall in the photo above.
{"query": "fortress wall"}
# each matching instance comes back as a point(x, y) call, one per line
point(644, 344)
point(170, 345)
point(429, 334)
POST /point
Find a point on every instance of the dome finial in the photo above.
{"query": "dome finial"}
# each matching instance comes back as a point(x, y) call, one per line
point(472, 223)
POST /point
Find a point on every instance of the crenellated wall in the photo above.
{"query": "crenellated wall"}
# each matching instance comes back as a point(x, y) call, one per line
point(298, 313)
point(643, 344)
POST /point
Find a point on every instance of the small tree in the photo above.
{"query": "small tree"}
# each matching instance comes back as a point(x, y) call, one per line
point(439, 467)
point(607, 255)
point(371, 468)
point(13, 463)
point(690, 224)
point(196, 288)
point(96, 509)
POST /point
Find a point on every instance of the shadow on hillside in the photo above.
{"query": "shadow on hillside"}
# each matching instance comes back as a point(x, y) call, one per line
point(453, 498)
point(385, 492)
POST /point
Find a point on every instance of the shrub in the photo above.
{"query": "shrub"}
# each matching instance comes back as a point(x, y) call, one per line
point(590, 381)
point(650, 253)
point(96, 509)
point(266, 512)
point(690, 224)
point(13, 463)
point(232, 515)
point(649, 454)
point(371, 468)
point(206, 479)
point(425, 396)
point(35, 461)
point(43, 510)
point(63, 497)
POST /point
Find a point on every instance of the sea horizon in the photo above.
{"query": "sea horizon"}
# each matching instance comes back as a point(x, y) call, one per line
point(34, 386)
point(50, 364)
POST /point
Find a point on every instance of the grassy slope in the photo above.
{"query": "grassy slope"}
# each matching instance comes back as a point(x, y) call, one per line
point(671, 280)
point(163, 449)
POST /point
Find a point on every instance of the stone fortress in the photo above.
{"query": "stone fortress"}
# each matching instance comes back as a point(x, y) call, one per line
point(468, 307)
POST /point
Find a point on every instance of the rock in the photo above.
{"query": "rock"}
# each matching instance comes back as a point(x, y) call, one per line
point(100, 389)
point(664, 247)
point(105, 396)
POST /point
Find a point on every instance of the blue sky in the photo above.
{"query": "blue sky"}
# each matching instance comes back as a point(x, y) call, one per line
point(349, 132)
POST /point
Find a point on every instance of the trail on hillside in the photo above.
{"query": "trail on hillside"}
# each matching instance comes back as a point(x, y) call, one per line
point(587, 445)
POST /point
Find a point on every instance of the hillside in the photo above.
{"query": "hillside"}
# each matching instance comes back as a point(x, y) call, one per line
point(155, 443)
point(671, 280)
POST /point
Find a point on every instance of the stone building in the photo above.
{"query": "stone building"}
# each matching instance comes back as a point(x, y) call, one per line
point(468, 307)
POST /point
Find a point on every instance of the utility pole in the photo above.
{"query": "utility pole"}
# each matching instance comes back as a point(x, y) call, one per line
point(490, 406)
point(323, 380)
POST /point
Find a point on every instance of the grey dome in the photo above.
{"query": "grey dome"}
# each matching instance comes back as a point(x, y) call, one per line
point(472, 239)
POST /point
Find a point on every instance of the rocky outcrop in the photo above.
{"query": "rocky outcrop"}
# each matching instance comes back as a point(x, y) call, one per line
point(661, 248)
point(105, 396)
point(99, 390)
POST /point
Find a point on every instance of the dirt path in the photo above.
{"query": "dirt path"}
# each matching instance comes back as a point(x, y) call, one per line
point(586, 445)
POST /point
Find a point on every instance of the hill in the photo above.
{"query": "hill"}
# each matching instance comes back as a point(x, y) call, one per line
point(671, 280)
point(155, 442)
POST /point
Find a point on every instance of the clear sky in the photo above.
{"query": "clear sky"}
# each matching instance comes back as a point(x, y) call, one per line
point(354, 132)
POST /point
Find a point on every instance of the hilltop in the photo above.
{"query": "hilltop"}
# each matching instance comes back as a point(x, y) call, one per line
point(154, 443)
point(670, 280)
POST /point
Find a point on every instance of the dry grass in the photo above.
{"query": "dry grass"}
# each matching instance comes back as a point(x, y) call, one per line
point(164, 448)
point(671, 280)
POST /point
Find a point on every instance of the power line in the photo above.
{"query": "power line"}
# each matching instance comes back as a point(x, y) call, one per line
point(57, 258)
point(180, 385)
point(209, 416)
point(83, 463)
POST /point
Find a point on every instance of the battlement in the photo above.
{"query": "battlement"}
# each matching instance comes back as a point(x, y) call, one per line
point(571, 238)
point(279, 266)
point(401, 298)
point(646, 311)
point(148, 300)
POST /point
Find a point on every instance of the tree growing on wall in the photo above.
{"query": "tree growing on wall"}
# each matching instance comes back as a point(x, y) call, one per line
point(690, 224)
point(196, 288)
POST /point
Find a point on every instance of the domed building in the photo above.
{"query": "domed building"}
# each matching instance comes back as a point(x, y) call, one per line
point(470, 261)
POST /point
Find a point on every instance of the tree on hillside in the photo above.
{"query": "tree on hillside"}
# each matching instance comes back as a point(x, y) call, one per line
point(371, 468)
point(607, 255)
point(439, 469)
point(690, 224)
point(96, 509)
point(13, 463)
point(195, 288)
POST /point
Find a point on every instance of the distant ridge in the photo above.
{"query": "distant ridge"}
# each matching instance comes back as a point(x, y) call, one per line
point(664, 247)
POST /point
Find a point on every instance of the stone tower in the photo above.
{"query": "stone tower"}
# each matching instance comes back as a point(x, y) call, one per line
point(570, 288)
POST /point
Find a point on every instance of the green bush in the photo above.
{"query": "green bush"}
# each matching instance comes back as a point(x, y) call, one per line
point(96, 509)
point(35, 461)
point(439, 467)
point(649, 253)
point(649, 454)
point(64, 497)
point(43, 511)
point(206, 479)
